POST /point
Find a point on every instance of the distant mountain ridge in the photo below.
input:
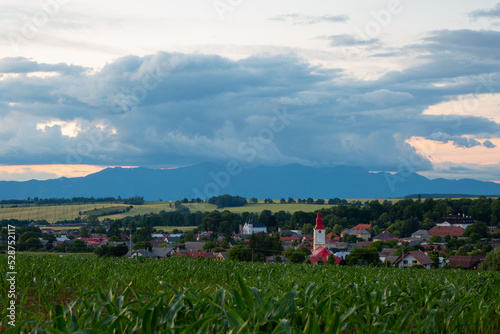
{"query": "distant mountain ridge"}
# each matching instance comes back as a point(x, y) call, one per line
point(206, 180)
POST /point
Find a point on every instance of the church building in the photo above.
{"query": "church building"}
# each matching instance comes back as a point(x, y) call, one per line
point(319, 233)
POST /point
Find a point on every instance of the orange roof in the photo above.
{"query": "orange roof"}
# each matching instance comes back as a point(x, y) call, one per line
point(361, 227)
point(290, 238)
point(447, 230)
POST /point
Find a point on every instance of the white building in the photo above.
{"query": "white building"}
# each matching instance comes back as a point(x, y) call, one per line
point(253, 227)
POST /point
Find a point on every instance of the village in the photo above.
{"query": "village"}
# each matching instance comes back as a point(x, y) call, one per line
point(442, 246)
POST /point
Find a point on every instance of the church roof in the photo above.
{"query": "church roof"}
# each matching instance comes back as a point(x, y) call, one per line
point(320, 251)
point(319, 222)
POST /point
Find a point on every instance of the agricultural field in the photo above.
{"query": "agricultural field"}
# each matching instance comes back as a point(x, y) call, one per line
point(51, 213)
point(169, 229)
point(121, 295)
point(54, 213)
point(144, 209)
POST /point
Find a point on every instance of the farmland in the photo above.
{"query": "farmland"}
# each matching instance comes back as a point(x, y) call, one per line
point(50, 213)
point(204, 296)
point(54, 213)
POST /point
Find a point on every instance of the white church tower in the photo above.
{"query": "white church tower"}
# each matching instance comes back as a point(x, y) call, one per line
point(319, 233)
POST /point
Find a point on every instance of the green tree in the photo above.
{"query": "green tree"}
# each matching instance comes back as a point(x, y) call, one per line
point(120, 250)
point(307, 229)
point(434, 256)
point(295, 256)
point(337, 229)
point(84, 233)
point(435, 239)
point(210, 244)
point(492, 261)
point(33, 243)
point(28, 235)
point(462, 251)
point(364, 256)
point(479, 227)
point(100, 230)
point(79, 246)
point(143, 245)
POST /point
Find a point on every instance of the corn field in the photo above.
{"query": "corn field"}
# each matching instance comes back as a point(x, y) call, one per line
point(107, 295)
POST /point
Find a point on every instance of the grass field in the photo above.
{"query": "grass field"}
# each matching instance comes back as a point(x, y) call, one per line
point(54, 213)
point(179, 295)
point(171, 228)
point(51, 213)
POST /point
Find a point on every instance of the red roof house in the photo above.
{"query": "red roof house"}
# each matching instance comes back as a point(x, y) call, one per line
point(468, 262)
point(412, 258)
point(323, 254)
point(361, 227)
point(453, 231)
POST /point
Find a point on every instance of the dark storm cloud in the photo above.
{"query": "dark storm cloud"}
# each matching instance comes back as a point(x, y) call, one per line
point(172, 108)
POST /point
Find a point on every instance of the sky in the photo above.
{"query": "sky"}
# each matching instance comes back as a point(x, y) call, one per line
point(396, 85)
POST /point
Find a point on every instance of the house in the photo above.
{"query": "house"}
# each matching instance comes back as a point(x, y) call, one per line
point(322, 254)
point(453, 231)
point(307, 238)
point(94, 241)
point(413, 258)
point(468, 262)
point(47, 243)
point(364, 244)
point(221, 256)
point(385, 236)
point(276, 259)
point(163, 252)
point(251, 226)
point(47, 230)
point(363, 234)
point(158, 236)
point(421, 235)
point(140, 253)
point(362, 227)
point(459, 220)
point(172, 238)
point(194, 245)
point(392, 259)
point(341, 254)
point(332, 237)
point(385, 253)
point(289, 240)
point(196, 255)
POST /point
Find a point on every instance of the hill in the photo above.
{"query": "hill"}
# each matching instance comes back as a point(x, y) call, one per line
point(207, 180)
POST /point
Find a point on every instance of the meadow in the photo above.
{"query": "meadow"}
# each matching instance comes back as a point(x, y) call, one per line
point(121, 295)
point(50, 213)
point(54, 213)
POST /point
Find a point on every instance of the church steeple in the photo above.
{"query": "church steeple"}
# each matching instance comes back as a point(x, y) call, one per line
point(319, 232)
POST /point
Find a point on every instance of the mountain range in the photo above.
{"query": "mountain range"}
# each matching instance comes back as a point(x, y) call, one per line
point(207, 180)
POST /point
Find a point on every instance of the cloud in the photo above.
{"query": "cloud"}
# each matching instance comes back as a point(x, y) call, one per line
point(488, 144)
point(300, 19)
point(492, 13)
point(170, 109)
point(385, 96)
point(24, 65)
point(458, 141)
point(349, 40)
point(465, 42)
